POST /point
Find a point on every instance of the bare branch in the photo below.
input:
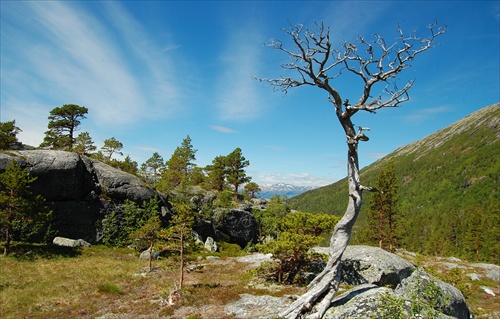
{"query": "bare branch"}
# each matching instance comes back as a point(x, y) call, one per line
point(375, 62)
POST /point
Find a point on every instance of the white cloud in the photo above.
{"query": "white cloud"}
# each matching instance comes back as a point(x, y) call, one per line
point(30, 118)
point(237, 91)
point(222, 129)
point(65, 54)
point(421, 115)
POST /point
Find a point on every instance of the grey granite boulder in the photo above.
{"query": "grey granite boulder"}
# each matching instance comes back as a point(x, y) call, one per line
point(80, 191)
point(366, 264)
point(67, 242)
point(257, 307)
point(240, 226)
point(210, 244)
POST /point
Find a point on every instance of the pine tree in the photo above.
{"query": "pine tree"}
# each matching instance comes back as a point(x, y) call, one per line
point(383, 208)
point(179, 166)
point(236, 175)
point(178, 233)
point(217, 173)
point(63, 122)
point(110, 147)
point(298, 233)
point(148, 235)
point(153, 166)
point(18, 205)
point(8, 135)
point(128, 165)
point(84, 144)
point(251, 189)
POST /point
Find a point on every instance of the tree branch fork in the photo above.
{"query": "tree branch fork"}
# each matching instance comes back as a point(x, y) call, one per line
point(315, 62)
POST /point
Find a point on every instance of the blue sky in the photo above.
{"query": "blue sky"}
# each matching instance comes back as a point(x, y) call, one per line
point(152, 73)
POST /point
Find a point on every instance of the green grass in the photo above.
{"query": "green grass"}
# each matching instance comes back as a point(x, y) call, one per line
point(43, 281)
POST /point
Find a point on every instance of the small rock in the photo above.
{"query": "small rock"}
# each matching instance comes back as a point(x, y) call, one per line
point(212, 257)
point(492, 271)
point(257, 307)
point(145, 254)
point(66, 242)
point(192, 268)
point(254, 260)
point(210, 244)
point(488, 290)
point(474, 276)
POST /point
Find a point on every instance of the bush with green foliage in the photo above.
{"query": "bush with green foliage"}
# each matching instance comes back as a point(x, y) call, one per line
point(425, 300)
point(298, 232)
point(117, 226)
point(268, 219)
point(23, 215)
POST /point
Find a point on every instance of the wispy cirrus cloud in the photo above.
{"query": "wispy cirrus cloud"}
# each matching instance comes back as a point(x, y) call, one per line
point(238, 96)
point(222, 129)
point(417, 117)
point(65, 54)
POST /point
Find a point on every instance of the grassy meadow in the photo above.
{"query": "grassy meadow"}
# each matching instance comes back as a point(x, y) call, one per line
point(44, 281)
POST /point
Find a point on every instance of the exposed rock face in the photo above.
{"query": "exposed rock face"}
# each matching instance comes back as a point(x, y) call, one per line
point(365, 264)
point(241, 227)
point(376, 270)
point(78, 189)
point(257, 307)
point(377, 274)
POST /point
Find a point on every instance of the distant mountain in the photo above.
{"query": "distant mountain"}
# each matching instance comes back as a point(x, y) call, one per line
point(283, 189)
point(448, 189)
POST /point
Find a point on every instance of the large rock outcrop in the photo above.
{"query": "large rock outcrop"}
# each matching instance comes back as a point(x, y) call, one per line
point(385, 286)
point(239, 225)
point(380, 275)
point(79, 190)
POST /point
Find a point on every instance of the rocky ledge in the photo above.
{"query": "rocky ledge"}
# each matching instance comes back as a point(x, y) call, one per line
point(375, 275)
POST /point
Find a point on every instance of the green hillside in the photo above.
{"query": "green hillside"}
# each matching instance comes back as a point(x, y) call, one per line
point(448, 191)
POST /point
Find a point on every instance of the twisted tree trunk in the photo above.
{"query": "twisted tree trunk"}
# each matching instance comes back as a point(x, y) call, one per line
point(325, 286)
point(317, 63)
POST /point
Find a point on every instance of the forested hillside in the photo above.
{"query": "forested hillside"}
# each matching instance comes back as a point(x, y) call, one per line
point(448, 190)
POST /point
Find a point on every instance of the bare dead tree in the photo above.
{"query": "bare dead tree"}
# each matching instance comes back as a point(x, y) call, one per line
point(316, 63)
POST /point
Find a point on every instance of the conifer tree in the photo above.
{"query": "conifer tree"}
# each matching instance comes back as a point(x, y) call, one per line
point(179, 166)
point(148, 234)
point(18, 204)
point(8, 135)
point(63, 122)
point(383, 207)
point(298, 233)
point(236, 175)
point(110, 147)
point(178, 233)
point(128, 165)
point(84, 144)
point(217, 173)
point(153, 167)
point(251, 189)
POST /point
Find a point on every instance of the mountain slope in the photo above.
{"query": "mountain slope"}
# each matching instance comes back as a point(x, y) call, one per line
point(449, 184)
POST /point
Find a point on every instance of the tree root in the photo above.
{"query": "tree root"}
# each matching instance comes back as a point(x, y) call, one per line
point(323, 288)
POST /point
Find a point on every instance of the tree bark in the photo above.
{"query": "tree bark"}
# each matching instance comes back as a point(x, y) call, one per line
point(317, 64)
point(325, 286)
point(181, 275)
